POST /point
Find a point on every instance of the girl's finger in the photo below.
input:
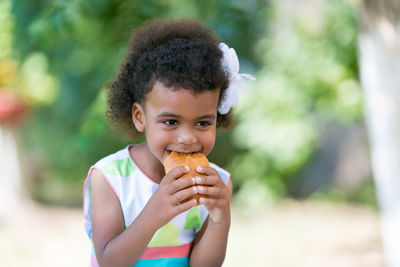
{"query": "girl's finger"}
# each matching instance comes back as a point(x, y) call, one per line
point(180, 184)
point(212, 191)
point(208, 180)
point(184, 194)
point(185, 206)
point(208, 202)
point(206, 170)
point(174, 174)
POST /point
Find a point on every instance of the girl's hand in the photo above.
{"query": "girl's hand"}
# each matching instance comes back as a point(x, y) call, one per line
point(165, 203)
point(218, 200)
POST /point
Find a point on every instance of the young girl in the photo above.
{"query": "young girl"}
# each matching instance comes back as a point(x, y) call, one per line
point(176, 87)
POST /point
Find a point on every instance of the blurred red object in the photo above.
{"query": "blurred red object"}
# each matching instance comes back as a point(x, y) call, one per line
point(12, 108)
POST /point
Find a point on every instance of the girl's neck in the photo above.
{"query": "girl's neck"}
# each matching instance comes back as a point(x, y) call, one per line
point(147, 163)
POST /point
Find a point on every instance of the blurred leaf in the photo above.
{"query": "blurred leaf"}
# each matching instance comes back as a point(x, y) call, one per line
point(308, 78)
point(35, 83)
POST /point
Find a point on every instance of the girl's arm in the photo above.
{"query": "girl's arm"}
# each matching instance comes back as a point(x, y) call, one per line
point(116, 246)
point(210, 244)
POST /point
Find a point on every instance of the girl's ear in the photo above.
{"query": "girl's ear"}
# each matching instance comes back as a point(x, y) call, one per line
point(138, 117)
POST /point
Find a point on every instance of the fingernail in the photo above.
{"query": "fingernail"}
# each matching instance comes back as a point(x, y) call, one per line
point(195, 189)
point(198, 179)
point(187, 168)
point(194, 180)
point(198, 168)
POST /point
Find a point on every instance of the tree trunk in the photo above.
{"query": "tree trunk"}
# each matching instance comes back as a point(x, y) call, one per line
point(11, 193)
point(379, 54)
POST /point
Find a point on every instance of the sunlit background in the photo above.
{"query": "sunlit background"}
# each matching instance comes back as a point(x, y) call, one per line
point(304, 192)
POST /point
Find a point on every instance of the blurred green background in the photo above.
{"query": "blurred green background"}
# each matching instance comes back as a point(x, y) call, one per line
point(299, 128)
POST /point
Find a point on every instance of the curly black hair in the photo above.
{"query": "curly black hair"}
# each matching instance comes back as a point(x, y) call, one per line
point(180, 54)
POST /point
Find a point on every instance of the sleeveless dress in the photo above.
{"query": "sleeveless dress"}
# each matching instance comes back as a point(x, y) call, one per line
point(171, 244)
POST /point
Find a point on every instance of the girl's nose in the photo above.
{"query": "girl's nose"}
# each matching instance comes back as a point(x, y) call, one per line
point(186, 136)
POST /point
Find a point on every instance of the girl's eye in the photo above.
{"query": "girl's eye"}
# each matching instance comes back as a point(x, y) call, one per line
point(203, 123)
point(171, 122)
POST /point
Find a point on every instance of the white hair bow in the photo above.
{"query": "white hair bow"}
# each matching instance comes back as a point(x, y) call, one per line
point(230, 64)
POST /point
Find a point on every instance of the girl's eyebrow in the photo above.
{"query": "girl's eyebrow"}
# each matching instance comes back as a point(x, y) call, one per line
point(168, 114)
point(205, 117)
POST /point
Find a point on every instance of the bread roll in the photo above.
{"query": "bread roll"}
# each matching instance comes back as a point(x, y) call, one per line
point(192, 161)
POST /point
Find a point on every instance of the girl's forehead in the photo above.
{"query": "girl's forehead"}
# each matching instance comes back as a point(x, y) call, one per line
point(180, 99)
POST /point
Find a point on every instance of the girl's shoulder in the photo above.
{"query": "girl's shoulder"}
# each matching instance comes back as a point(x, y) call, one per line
point(118, 163)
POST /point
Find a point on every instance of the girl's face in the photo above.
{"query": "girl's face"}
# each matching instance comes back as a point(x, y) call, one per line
point(177, 120)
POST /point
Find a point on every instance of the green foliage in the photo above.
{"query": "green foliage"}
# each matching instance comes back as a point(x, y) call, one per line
point(74, 49)
point(6, 27)
point(304, 55)
point(364, 194)
point(309, 77)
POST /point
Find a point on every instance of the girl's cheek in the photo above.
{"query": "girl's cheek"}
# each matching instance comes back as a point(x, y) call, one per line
point(209, 141)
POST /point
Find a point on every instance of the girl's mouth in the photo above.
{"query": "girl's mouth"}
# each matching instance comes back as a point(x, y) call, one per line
point(183, 152)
